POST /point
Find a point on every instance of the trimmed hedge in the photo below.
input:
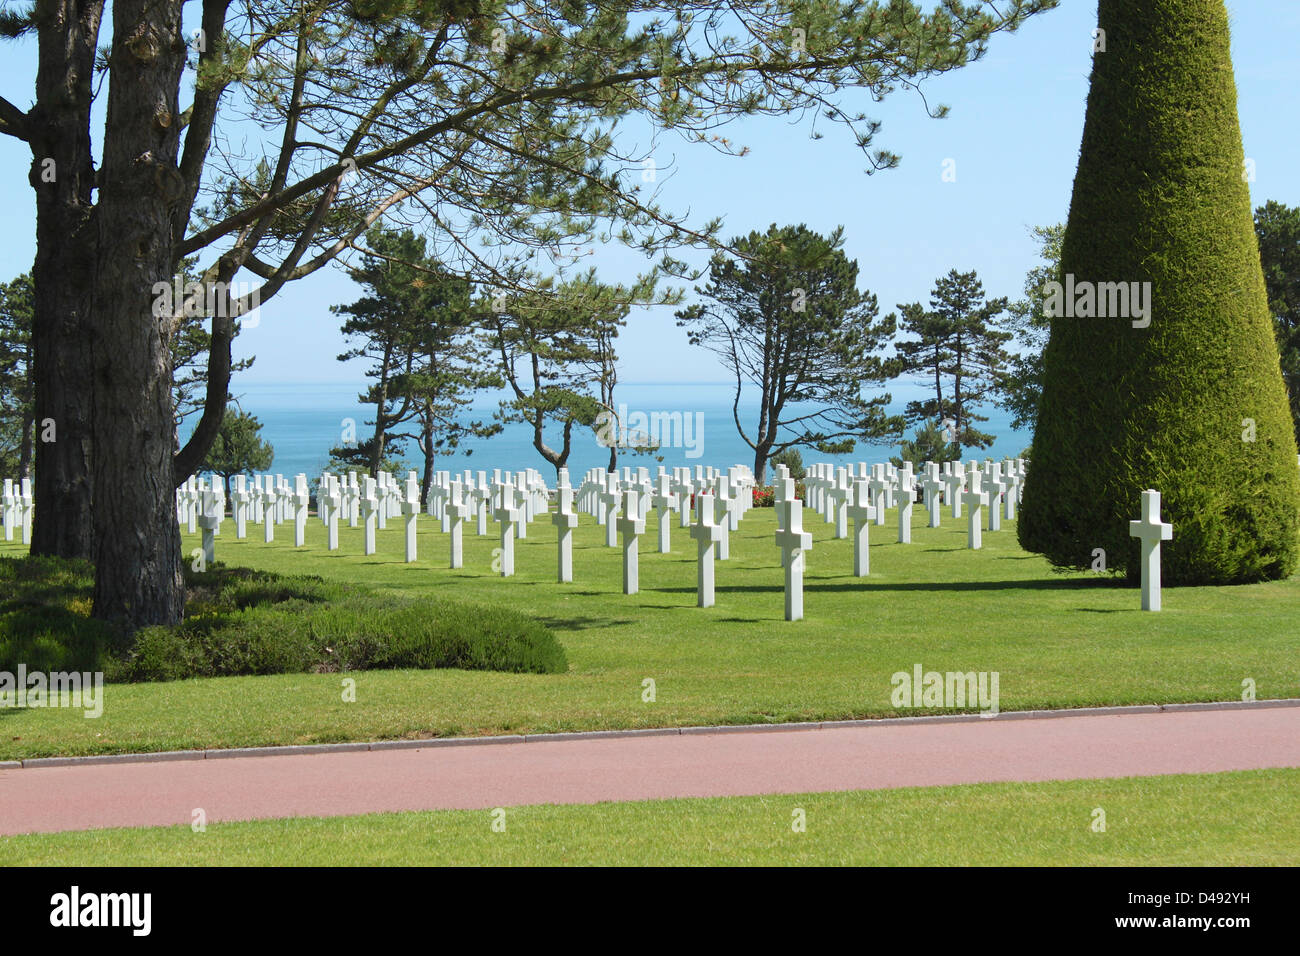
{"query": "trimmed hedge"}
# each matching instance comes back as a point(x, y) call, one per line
point(1159, 196)
point(241, 622)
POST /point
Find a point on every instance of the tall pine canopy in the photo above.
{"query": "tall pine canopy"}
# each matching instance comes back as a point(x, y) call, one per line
point(1192, 404)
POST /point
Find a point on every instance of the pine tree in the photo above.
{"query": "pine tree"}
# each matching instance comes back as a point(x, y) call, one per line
point(957, 342)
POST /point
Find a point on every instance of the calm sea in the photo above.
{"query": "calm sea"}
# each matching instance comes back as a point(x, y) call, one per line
point(303, 421)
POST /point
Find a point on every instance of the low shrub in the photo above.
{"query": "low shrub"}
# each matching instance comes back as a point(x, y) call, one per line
point(766, 497)
point(435, 634)
point(242, 622)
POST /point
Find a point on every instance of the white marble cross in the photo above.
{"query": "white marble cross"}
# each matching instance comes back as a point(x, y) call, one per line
point(10, 505)
point(1151, 530)
point(269, 498)
point(683, 489)
point(779, 503)
point(609, 502)
point(333, 498)
point(239, 499)
point(282, 497)
point(994, 487)
point(665, 502)
point(933, 486)
point(192, 502)
point(905, 486)
point(209, 519)
point(862, 512)
point(565, 521)
point(522, 498)
point(1010, 485)
point(631, 526)
point(877, 488)
point(301, 500)
point(353, 492)
point(369, 507)
point(975, 499)
point(706, 535)
point(508, 514)
point(457, 509)
point(482, 497)
point(381, 499)
point(411, 511)
point(27, 503)
point(841, 494)
point(823, 479)
point(722, 505)
point(793, 541)
point(953, 482)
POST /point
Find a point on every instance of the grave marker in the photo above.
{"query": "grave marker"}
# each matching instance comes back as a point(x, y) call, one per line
point(863, 513)
point(565, 521)
point(793, 542)
point(905, 485)
point(457, 511)
point(369, 504)
point(953, 482)
point(508, 514)
point(333, 504)
point(1151, 530)
point(706, 535)
point(301, 500)
point(411, 511)
point(665, 502)
point(975, 499)
point(631, 526)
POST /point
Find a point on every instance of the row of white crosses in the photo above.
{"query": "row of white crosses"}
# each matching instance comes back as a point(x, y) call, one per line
point(843, 493)
point(622, 503)
point(16, 507)
point(190, 501)
point(602, 494)
point(201, 505)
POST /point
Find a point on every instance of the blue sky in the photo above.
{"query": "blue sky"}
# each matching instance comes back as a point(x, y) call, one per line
point(1013, 133)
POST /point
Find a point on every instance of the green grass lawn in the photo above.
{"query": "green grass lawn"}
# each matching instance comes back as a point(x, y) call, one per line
point(1057, 640)
point(1230, 819)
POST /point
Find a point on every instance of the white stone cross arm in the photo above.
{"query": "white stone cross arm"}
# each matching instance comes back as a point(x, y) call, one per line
point(793, 539)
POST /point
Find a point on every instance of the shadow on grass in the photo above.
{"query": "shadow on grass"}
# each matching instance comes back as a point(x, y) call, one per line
point(583, 623)
point(1043, 584)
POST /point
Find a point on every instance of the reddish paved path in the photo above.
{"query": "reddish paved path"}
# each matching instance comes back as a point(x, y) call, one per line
point(637, 768)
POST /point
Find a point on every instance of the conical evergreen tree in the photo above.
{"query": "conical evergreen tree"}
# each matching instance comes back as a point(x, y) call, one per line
point(1192, 404)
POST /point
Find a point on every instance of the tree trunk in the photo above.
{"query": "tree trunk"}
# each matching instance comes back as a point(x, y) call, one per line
point(426, 446)
point(381, 401)
point(958, 411)
point(137, 542)
point(63, 178)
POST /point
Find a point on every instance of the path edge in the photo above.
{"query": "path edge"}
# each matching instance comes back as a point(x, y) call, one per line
point(435, 742)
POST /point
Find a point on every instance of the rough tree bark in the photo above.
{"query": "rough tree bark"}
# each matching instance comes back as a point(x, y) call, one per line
point(137, 540)
point(63, 177)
